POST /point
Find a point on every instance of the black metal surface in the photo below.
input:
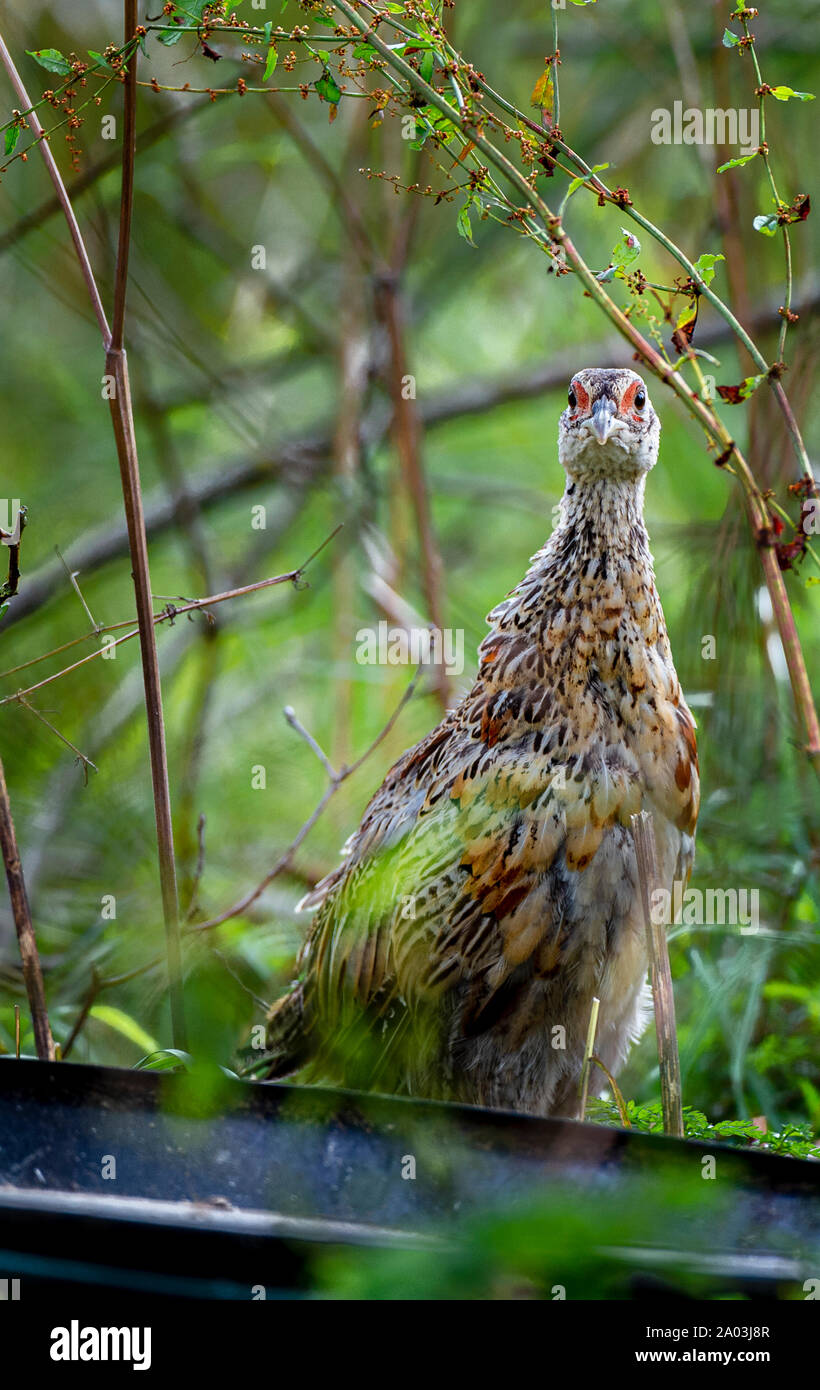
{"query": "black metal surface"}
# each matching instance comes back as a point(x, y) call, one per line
point(329, 1165)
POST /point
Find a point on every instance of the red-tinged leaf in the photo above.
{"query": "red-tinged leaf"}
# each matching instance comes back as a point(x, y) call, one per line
point(685, 330)
point(543, 94)
point(791, 552)
point(735, 395)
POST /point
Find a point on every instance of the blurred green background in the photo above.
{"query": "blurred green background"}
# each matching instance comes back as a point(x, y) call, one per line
point(249, 385)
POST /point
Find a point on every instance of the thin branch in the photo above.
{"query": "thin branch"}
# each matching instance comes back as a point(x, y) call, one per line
point(32, 971)
point(81, 757)
point(616, 1091)
point(661, 976)
point(290, 717)
point(169, 613)
point(335, 780)
point(72, 579)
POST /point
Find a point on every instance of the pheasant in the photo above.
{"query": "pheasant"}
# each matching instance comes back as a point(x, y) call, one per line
point(491, 889)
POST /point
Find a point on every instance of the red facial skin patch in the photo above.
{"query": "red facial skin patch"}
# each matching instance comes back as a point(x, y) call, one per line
point(629, 399)
point(582, 399)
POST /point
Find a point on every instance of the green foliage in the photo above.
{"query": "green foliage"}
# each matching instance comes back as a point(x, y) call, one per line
point(51, 59)
point(796, 1141)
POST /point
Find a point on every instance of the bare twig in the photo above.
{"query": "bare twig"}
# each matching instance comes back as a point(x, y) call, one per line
point(32, 972)
point(616, 1091)
point(72, 579)
point(200, 866)
point(169, 613)
point(335, 780)
point(85, 762)
point(661, 976)
point(88, 1003)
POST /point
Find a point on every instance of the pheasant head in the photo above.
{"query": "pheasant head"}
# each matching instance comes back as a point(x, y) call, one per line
point(609, 429)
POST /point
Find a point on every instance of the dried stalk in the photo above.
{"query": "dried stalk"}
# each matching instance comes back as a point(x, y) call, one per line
point(661, 977)
point(32, 973)
point(589, 1046)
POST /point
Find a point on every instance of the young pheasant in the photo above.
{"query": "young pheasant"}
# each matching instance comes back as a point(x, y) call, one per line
point(491, 888)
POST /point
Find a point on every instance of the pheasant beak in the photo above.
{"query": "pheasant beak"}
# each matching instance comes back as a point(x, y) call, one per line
point(603, 418)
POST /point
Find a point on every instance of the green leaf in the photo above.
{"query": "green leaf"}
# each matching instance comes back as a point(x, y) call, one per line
point(625, 251)
point(100, 59)
point(51, 59)
point(543, 93)
point(730, 40)
point(786, 94)
point(12, 136)
point(749, 384)
point(426, 65)
point(268, 30)
point(190, 10)
point(736, 163)
point(126, 1025)
point(270, 65)
point(465, 229)
point(327, 88)
point(576, 183)
point(766, 223)
point(163, 1059)
point(365, 51)
point(705, 266)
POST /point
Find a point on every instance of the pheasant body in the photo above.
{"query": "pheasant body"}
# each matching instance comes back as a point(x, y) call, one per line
point(491, 889)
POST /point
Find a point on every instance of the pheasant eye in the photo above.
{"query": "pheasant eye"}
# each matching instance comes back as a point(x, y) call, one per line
point(640, 399)
point(572, 398)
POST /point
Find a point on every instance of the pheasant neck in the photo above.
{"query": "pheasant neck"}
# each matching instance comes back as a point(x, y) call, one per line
point(605, 513)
